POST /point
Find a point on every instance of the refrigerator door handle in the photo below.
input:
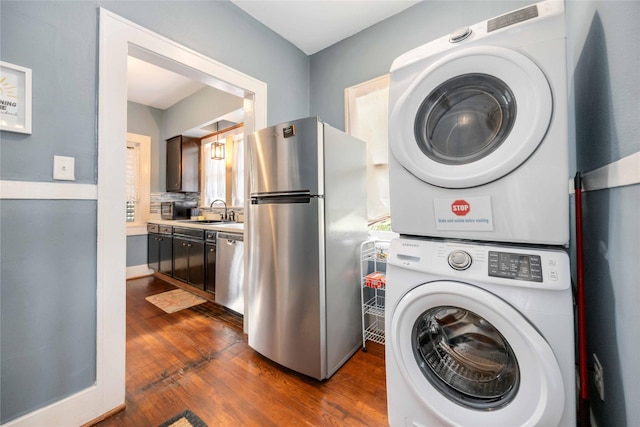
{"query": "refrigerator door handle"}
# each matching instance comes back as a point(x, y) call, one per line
point(273, 199)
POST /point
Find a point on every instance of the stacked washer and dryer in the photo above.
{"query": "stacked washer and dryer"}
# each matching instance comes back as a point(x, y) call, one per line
point(479, 318)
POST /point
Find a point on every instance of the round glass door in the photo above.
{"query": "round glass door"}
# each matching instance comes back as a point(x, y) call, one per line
point(472, 357)
point(471, 117)
point(465, 357)
point(465, 119)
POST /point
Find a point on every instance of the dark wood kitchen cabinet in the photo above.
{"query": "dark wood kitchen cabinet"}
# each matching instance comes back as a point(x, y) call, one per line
point(183, 164)
point(160, 248)
point(189, 256)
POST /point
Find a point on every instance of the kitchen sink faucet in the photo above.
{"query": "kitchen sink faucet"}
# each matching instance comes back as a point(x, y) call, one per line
point(225, 216)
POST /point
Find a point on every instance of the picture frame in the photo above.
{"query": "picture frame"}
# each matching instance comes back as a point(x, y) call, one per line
point(15, 98)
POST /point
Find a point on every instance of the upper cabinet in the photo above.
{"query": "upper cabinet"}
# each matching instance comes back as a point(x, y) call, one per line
point(183, 164)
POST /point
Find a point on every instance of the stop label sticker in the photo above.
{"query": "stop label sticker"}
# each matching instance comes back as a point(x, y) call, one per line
point(460, 207)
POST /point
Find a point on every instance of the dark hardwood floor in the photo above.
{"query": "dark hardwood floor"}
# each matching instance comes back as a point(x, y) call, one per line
point(199, 359)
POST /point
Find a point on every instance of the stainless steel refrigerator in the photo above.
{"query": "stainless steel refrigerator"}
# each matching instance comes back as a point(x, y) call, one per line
point(306, 221)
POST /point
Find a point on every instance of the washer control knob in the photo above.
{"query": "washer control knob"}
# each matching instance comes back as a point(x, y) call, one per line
point(459, 260)
point(459, 34)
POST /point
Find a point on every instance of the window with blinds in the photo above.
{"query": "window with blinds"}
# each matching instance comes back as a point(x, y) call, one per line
point(138, 181)
point(133, 159)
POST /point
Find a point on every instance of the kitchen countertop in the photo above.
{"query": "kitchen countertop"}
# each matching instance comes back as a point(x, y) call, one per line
point(229, 227)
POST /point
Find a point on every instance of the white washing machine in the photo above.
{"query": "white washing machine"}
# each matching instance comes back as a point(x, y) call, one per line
point(478, 335)
point(478, 132)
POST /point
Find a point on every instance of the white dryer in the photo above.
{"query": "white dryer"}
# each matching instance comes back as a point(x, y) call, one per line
point(478, 132)
point(478, 335)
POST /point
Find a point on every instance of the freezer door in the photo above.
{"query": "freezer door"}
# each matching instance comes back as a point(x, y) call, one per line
point(285, 158)
point(286, 285)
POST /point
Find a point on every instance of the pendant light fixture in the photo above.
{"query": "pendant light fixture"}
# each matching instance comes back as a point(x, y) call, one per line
point(217, 148)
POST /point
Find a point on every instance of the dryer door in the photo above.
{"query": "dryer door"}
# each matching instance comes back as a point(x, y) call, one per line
point(471, 118)
point(473, 359)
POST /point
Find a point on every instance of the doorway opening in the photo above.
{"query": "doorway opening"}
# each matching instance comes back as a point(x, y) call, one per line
point(119, 39)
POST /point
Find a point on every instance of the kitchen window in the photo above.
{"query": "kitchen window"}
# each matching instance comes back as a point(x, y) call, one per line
point(138, 183)
point(367, 118)
point(224, 179)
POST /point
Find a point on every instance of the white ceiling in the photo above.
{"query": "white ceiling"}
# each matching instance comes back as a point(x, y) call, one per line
point(312, 25)
point(157, 87)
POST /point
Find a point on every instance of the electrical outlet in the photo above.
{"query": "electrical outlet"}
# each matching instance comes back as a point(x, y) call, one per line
point(598, 376)
point(64, 168)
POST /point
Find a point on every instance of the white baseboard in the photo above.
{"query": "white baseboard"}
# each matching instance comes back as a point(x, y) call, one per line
point(138, 271)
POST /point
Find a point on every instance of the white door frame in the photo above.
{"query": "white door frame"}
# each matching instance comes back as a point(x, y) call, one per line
point(118, 38)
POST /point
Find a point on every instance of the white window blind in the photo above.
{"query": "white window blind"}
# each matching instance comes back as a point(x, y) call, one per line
point(132, 181)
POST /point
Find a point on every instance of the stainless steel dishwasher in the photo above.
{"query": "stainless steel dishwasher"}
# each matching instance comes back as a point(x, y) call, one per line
point(230, 271)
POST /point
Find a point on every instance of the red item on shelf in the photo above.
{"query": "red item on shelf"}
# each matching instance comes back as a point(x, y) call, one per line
point(375, 280)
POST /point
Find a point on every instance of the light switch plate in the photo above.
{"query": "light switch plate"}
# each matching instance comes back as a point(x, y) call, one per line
point(64, 168)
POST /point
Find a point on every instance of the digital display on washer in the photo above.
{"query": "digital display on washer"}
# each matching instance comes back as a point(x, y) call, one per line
point(512, 18)
point(515, 266)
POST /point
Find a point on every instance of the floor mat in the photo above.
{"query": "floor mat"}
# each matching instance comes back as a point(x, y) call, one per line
point(185, 419)
point(175, 300)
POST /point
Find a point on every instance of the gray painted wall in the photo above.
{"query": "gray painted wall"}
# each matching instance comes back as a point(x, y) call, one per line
point(48, 302)
point(58, 41)
point(605, 85)
point(144, 120)
point(136, 250)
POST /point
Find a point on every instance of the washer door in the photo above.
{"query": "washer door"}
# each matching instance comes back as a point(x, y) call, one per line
point(472, 117)
point(473, 359)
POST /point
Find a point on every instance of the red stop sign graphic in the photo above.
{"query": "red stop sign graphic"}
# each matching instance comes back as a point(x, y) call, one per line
point(460, 207)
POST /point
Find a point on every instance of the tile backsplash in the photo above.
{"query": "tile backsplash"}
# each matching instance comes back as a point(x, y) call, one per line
point(157, 198)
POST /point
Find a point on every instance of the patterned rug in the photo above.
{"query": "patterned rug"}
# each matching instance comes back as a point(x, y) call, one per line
point(175, 300)
point(185, 419)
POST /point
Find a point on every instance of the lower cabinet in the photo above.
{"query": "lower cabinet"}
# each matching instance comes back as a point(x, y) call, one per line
point(189, 259)
point(160, 249)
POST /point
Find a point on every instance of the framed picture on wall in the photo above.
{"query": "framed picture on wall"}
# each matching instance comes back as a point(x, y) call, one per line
point(15, 98)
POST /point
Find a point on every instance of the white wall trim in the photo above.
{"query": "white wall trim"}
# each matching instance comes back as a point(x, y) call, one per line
point(138, 271)
point(625, 171)
point(54, 414)
point(25, 190)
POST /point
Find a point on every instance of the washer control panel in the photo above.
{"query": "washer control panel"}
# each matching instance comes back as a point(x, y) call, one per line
point(515, 266)
point(520, 266)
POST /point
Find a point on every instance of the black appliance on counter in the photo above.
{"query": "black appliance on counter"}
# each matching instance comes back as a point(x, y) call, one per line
point(180, 209)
